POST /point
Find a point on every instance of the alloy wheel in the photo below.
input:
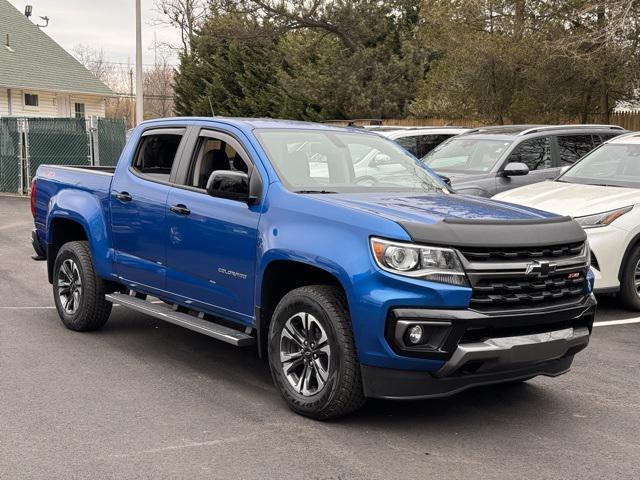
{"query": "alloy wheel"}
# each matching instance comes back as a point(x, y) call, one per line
point(305, 354)
point(69, 286)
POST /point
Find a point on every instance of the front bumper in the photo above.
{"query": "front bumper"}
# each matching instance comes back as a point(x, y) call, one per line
point(480, 349)
point(608, 245)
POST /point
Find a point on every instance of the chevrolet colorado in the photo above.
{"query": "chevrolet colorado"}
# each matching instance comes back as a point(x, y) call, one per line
point(352, 282)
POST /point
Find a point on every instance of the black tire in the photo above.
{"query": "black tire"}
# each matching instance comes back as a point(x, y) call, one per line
point(342, 393)
point(628, 292)
point(92, 310)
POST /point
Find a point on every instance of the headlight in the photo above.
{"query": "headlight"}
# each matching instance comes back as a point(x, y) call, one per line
point(602, 219)
point(418, 261)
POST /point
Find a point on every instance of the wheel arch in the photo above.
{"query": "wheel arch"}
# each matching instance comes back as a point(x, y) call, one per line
point(78, 215)
point(635, 241)
point(279, 277)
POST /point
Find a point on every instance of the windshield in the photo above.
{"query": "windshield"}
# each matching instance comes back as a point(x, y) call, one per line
point(314, 161)
point(474, 155)
point(614, 165)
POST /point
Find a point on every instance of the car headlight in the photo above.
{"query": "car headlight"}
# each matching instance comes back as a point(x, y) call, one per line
point(602, 219)
point(419, 261)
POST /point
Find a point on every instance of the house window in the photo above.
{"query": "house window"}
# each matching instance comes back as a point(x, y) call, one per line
point(30, 100)
point(79, 110)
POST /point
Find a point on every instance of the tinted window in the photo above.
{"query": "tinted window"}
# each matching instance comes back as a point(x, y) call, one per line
point(426, 143)
point(420, 145)
point(573, 147)
point(410, 144)
point(535, 153)
point(213, 154)
point(603, 137)
point(156, 155)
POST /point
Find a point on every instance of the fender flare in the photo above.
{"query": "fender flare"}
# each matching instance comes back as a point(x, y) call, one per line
point(86, 210)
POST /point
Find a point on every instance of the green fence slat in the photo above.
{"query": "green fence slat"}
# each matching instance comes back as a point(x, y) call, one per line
point(111, 137)
point(9, 155)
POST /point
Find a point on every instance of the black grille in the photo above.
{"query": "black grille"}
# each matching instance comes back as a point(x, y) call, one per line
point(491, 293)
point(479, 254)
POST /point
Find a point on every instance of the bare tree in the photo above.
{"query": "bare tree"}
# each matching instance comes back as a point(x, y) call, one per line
point(94, 60)
point(185, 15)
point(158, 89)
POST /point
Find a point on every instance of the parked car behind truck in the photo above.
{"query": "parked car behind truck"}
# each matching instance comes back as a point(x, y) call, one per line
point(602, 192)
point(351, 285)
point(490, 160)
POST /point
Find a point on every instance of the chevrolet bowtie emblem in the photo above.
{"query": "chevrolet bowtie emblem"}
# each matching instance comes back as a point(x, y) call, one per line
point(540, 268)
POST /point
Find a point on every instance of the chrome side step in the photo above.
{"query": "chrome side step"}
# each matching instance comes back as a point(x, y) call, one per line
point(166, 313)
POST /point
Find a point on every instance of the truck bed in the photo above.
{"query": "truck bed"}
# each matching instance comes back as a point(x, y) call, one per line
point(58, 181)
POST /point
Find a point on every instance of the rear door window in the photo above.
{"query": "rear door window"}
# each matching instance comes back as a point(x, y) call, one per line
point(156, 154)
point(573, 147)
point(535, 153)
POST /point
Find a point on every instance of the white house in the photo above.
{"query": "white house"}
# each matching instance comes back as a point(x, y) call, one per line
point(38, 78)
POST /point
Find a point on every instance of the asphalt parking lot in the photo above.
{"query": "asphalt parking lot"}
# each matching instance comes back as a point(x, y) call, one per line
point(145, 399)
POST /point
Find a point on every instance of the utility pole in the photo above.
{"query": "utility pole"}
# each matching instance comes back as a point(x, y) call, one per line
point(139, 80)
point(132, 113)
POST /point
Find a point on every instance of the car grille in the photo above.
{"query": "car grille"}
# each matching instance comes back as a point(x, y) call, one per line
point(500, 280)
point(508, 292)
point(478, 254)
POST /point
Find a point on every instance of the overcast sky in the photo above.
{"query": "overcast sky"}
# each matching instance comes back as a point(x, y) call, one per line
point(106, 24)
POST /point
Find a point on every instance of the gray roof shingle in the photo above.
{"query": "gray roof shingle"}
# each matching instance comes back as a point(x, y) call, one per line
point(37, 62)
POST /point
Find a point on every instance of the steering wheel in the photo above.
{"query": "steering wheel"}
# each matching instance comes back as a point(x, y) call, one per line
point(366, 178)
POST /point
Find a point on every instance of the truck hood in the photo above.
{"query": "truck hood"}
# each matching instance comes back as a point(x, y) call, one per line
point(572, 199)
point(430, 208)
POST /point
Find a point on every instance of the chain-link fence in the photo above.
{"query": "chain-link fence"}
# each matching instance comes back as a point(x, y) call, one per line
point(111, 135)
point(27, 143)
point(10, 157)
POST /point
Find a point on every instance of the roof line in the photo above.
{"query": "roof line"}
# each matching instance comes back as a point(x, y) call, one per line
point(40, 89)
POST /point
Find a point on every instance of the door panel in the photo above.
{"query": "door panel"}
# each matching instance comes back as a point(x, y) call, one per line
point(139, 230)
point(138, 209)
point(211, 252)
point(212, 242)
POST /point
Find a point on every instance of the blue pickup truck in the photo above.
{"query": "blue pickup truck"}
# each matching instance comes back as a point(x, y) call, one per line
point(351, 280)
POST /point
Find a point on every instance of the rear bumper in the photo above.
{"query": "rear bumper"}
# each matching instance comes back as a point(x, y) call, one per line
point(482, 350)
point(35, 243)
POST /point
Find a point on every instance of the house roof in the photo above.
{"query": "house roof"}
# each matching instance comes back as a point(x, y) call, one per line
point(35, 61)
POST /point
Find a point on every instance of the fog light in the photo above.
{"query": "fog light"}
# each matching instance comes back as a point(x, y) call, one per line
point(415, 334)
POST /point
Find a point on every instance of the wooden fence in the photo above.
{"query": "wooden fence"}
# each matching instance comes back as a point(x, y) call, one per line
point(628, 120)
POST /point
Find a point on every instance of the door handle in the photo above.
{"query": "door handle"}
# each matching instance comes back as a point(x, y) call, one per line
point(180, 209)
point(123, 196)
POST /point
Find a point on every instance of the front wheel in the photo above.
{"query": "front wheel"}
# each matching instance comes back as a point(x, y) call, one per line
point(630, 281)
point(312, 355)
point(77, 290)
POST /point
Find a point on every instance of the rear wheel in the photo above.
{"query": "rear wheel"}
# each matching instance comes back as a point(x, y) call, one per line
point(630, 281)
point(312, 355)
point(77, 291)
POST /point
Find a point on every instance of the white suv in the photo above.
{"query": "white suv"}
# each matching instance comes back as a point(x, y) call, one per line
point(602, 192)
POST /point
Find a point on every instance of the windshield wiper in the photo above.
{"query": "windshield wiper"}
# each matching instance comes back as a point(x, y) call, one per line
point(314, 191)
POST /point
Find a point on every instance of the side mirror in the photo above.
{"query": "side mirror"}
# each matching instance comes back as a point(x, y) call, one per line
point(515, 169)
point(229, 184)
